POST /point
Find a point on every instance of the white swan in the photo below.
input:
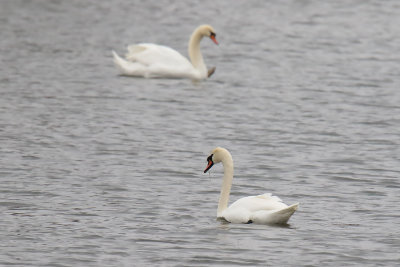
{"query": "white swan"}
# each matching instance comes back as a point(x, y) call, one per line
point(157, 61)
point(262, 209)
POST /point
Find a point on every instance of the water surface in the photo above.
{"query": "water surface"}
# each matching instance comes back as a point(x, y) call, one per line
point(103, 170)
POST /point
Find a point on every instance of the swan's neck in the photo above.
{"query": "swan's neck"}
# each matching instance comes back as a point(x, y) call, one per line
point(226, 186)
point(194, 52)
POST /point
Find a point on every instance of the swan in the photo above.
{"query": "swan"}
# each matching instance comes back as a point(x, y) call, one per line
point(261, 209)
point(158, 61)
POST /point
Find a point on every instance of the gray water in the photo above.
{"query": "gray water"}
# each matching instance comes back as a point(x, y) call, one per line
point(99, 169)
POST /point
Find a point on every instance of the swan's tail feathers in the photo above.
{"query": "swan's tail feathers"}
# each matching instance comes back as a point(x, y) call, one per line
point(119, 62)
point(133, 51)
point(126, 67)
point(282, 216)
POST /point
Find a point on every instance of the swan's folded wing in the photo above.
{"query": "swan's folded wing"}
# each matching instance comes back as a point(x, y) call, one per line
point(152, 54)
point(260, 202)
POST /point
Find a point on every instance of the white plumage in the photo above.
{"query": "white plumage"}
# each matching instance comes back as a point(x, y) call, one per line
point(261, 209)
point(158, 61)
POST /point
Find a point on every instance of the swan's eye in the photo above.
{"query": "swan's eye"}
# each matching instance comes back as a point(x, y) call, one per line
point(210, 158)
point(212, 34)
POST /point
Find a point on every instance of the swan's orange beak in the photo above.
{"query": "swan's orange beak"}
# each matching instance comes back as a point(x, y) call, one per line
point(210, 163)
point(212, 37)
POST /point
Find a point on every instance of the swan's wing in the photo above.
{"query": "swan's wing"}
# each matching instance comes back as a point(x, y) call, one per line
point(152, 54)
point(246, 209)
point(261, 209)
point(260, 202)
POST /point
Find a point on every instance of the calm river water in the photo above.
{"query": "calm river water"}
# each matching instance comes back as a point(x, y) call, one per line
point(98, 169)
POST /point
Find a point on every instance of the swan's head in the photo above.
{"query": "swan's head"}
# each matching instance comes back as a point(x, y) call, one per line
point(218, 155)
point(207, 31)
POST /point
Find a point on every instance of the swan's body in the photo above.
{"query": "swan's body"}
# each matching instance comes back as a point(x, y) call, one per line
point(158, 61)
point(261, 209)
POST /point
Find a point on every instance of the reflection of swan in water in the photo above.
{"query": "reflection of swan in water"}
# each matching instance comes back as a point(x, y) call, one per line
point(157, 61)
point(262, 209)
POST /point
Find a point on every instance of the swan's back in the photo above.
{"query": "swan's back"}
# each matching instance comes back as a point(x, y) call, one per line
point(152, 54)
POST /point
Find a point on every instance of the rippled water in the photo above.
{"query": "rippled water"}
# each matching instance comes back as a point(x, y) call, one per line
point(103, 170)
